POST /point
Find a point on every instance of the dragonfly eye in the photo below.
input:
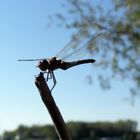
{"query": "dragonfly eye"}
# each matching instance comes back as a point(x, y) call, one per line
point(43, 65)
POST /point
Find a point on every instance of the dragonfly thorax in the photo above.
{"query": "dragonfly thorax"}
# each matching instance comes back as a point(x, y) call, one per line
point(43, 65)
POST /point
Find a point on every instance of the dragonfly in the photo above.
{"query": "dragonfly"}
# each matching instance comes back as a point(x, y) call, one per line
point(59, 61)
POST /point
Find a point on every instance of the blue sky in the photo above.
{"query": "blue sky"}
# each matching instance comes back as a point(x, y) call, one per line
point(24, 34)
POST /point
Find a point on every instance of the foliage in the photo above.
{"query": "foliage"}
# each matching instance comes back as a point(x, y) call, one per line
point(126, 130)
point(34, 132)
point(122, 21)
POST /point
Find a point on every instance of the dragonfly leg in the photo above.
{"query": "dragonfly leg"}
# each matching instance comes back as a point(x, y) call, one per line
point(49, 75)
point(54, 80)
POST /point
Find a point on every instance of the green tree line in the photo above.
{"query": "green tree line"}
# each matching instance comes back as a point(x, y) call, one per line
point(124, 130)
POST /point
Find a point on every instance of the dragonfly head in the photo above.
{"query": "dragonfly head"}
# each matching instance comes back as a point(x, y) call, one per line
point(43, 65)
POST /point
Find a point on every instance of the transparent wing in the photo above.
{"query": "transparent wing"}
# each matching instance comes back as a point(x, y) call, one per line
point(85, 46)
point(32, 59)
point(69, 48)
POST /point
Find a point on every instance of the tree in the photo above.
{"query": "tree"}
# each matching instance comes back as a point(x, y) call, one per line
point(122, 20)
point(78, 130)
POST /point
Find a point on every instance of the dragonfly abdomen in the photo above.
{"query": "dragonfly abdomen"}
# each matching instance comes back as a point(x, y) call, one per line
point(66, 65)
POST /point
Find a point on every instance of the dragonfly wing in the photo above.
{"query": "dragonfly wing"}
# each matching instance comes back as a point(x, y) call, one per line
point(32, 59)
point(88, 46)
point(69, 48)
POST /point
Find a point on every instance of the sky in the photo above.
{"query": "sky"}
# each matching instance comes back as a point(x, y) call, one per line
point(24, 33)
